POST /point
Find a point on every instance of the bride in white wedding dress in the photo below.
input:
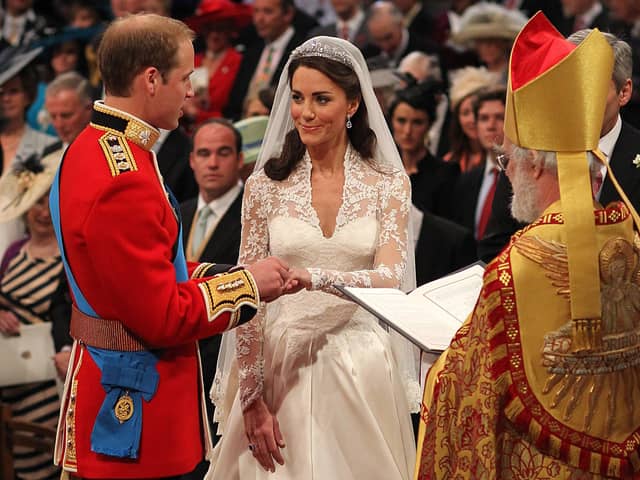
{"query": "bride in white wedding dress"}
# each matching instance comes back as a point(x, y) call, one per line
point(313, 387)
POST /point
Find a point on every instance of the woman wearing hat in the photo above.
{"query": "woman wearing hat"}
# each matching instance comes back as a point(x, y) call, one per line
point(29, 275)
point(465, 146)
point(490, 30)
point(216, 21)
point(18, 140)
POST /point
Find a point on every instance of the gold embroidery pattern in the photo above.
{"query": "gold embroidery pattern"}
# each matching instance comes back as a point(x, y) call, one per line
point(200, 271)
point(118, 154)
point(138, 132)
point(70, 460)
point(229, 292)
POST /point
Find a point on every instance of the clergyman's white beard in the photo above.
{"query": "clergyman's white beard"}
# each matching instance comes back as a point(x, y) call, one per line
point(524, 201)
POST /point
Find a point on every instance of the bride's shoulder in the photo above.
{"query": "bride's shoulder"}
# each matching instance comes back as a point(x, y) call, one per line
point(382, 172)
point(258, 181)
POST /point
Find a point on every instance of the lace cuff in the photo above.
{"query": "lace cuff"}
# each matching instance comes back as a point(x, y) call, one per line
point(251, 375)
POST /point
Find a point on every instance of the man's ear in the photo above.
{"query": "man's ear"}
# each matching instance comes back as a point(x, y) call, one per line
point(537, 164)
point(151, 77)
point(624, 95)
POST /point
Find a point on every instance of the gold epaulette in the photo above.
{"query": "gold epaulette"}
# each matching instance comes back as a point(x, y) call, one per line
point(118, 154)
point(229, 292)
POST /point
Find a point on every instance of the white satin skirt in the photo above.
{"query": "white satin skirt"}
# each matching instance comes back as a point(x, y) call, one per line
point(331, 379)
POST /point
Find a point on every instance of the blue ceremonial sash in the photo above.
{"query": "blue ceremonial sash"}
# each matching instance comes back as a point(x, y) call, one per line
point(125, 376)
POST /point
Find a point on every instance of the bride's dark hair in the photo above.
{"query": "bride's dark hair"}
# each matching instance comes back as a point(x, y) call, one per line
point(362, 138)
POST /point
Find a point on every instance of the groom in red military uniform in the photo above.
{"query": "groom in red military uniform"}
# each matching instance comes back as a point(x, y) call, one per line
point(133, 404)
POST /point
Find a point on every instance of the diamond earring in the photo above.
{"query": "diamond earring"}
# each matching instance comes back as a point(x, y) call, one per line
point(349, 124)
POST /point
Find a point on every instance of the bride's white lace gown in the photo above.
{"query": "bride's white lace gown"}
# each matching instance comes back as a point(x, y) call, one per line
point(324, 366)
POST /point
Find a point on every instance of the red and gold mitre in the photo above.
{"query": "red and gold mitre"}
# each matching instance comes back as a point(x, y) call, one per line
point(556, 99)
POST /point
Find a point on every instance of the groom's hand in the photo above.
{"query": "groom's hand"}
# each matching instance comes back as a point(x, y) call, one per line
point(270, 275)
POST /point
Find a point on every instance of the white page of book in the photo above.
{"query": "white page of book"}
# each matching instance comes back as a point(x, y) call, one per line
point(431, 314)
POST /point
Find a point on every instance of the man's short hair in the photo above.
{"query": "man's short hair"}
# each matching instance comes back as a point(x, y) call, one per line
point(71, 81)
point(287, 5)
point(225, 123)
point(623, 59)
point(489, 95)
point(385, 9)
point(133, 43)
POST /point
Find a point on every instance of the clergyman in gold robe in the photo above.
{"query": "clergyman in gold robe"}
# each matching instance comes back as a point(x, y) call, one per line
point(541, 380)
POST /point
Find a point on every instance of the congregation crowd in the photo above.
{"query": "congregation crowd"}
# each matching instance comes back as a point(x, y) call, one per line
point(439, 70)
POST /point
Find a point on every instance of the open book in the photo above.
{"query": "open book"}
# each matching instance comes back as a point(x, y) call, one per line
point(430, 315)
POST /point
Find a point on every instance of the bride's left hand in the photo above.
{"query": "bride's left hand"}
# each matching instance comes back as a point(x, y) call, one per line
point(299, 278)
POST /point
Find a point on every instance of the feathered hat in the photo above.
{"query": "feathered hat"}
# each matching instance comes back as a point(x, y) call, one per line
point(27, 181)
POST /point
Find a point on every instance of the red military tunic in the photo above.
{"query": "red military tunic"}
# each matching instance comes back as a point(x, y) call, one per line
point(119, 233)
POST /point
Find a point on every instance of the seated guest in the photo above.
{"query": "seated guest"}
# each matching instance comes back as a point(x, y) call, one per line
point(490, 30)
point(432, 179)
point(391, 40)
point(420, 67)
point(463, 133)
point(265, 57)
point(216, 21)
point(476, 188)
point(350, 23)
point(30, 272)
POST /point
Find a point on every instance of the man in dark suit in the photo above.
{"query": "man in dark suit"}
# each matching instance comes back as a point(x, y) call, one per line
point(619, 141)
point(172, 151)
point(211, 221)
point(476, 188)
point(385, 23)
point(264, 59)
point(581, 14)
point(350, 24)
point(442, 248)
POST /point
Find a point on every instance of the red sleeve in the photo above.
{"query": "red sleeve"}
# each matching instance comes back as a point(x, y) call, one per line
point(130, 233)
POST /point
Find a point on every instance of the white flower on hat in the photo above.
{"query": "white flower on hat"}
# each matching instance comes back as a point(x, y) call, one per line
point(636, 161)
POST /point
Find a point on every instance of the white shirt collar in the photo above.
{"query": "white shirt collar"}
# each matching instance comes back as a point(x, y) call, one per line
point(281, 42)
point(353, 23)
point(221, 204)
point(608, 141)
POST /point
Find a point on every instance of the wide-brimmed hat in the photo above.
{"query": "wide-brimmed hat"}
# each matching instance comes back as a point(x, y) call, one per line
point(69, 34)
point(14, 59)
point(488, 20)
point(252, 130)
point(26, 182)
point(469, 80)
point(212, 12)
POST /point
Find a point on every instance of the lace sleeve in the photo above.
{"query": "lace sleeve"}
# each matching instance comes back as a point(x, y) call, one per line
point(390, 259)
point(254, 246)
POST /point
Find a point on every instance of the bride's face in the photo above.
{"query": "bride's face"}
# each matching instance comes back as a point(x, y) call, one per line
point(319, 108)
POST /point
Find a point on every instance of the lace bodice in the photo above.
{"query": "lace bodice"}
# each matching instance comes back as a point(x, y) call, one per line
point(367, 249)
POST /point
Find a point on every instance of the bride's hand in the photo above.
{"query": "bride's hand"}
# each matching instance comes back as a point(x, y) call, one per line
point(263, 433)
point(299, 278)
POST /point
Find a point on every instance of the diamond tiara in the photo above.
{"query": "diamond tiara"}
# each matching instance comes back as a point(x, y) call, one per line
point(315, 48)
